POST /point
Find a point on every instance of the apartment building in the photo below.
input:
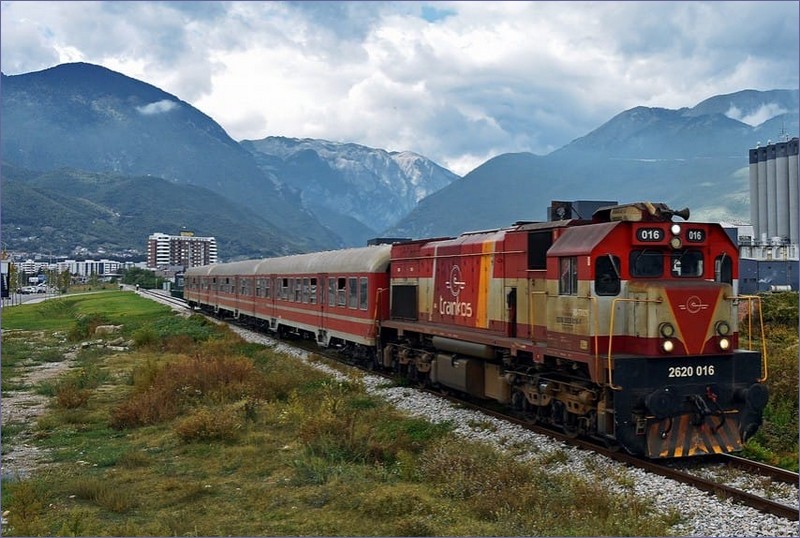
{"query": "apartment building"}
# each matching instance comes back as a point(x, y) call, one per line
point(180, 250)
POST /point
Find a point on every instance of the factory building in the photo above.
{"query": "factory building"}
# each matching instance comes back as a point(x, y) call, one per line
point(769, 257)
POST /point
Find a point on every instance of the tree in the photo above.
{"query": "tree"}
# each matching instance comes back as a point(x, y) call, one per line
point(142, 277)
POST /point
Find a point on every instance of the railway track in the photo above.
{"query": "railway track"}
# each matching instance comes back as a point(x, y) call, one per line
point(667, 470)
point(663, 468)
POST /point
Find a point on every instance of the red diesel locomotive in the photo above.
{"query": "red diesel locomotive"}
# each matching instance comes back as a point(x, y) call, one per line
point(623, 327)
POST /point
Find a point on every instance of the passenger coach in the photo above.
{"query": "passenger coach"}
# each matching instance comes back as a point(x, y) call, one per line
point(333, 297)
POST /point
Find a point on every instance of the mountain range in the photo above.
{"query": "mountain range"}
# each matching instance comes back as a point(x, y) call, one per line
point(695, 157)
point(95, 159)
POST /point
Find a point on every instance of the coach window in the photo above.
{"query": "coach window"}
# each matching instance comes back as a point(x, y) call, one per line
point(688, 263)
point(341, 286)
point(267, 282)
point(606, 275)
point(298, 290)
point(331, 292)
point(362, 294)
point(568, 279)
point(646, 263)
point(243, 286)
point(312, 298)
point(352, 284)
point(723, 269)
point(284, 288)
point(306, 290)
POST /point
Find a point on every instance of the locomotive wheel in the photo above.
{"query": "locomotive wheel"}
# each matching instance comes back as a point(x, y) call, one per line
point(571, 430)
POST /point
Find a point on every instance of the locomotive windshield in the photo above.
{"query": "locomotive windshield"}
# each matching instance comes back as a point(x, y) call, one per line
point(687, 263)
point(647, 263)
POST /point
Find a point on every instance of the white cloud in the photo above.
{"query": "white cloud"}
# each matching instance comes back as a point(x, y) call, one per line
point(454, 81)
point(763, 113)
point(159, 107)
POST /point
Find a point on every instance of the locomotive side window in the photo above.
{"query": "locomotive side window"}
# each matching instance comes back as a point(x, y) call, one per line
point(538, 244)
point(568, 280)
point(353, 285)
point(362, 294)
point(688, 263)
point(646, 263)
point(723, 269)
point(606, 275)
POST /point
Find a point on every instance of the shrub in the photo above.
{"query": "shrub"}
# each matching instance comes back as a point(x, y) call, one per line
point(69, 394)
point(163, 391)
point(84, 326)
point(209, 425)
point(25, 510)
point(146, 338)
point(102, 493)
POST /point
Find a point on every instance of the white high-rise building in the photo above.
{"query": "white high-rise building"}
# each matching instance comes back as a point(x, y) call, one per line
point(185, 250)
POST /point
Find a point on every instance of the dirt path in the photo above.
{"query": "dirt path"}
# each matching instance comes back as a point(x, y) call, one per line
point(21, 408)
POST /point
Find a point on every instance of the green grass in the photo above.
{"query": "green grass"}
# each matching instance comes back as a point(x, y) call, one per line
point(114, 307)
point(195, 432)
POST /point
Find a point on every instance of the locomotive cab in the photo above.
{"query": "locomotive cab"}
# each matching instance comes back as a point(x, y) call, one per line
point(663, 298)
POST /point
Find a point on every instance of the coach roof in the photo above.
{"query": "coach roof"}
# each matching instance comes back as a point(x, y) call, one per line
point(372, 259)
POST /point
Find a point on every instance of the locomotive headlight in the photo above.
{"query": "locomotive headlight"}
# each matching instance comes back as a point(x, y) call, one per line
point(667, 346)
point(722, 328)
point(666, 329)
point(675, 229)
point(675, 243)
point(724, 344)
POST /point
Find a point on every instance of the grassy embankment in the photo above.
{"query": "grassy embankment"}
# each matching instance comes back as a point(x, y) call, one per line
point(777, 440)
point(195, 432)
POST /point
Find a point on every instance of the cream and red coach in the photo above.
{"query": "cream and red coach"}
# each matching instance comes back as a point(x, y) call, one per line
point(333, 297)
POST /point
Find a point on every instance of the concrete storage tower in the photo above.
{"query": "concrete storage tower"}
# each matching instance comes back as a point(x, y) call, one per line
point(769, 260)
point(773, 193)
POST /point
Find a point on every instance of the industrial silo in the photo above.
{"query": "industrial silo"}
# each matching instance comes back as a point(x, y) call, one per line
point(782, 190)
point(763, 235)
point(754, 192)
point(794, 202)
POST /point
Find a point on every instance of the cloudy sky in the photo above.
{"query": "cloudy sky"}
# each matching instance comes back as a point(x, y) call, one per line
point(458, 82)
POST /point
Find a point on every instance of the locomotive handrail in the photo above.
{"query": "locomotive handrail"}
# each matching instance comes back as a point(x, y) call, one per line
point(750, 299)
point(596, 316)
point(377, 310)
point(611, 332)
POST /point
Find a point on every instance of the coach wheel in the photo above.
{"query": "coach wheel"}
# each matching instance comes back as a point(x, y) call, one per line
point(413, 375)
